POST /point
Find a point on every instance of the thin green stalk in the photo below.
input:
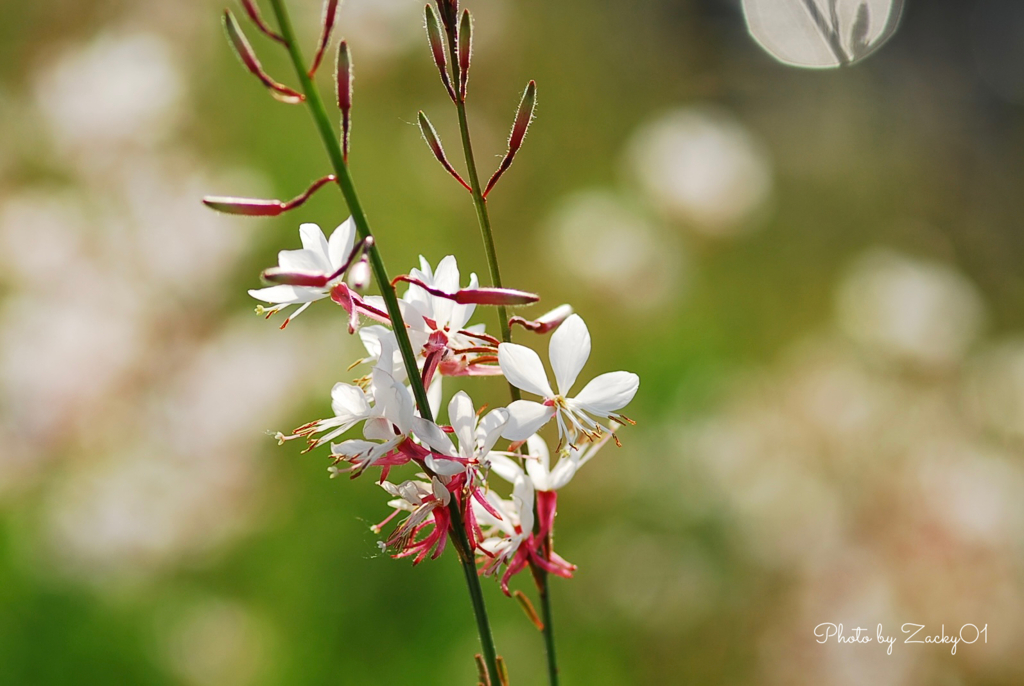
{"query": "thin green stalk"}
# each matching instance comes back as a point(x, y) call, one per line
point(348, 190)
point(484, 220)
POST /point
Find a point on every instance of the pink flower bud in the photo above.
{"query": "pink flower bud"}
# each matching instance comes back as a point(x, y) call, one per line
point(546, 322)
point(434, 143)
point(523, 118)
point(330, 12)
point(465, 52)
point(257, 207)
point(279, 276)
point(359, 275)
point(254, 14)
point(245, 53)
point(250, 207)
point(449, 10)
point(494, 296)
point(343, 82)
point(437, 49)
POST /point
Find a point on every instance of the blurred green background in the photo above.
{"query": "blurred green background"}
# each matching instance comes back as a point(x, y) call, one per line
point(815, 273)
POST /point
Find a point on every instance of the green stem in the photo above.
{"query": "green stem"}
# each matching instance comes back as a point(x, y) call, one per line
point(348, 190)
point(484, 220)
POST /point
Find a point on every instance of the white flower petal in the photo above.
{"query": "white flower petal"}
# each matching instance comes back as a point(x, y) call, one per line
point(563, 471)
point(522, 496)
point(488, 431)
point(349, 401)
point(313, 239)
point(340, 244)
point(302, 261)
point(443, 467)
point(462, 313)
point(607, 393)
point(462, 417)
point(525, 418)
point(523, 369)
point(538, 464)
point(569, 350)
point(432, 435)
point(394, 399)
point(291, 295)
point(505, 467)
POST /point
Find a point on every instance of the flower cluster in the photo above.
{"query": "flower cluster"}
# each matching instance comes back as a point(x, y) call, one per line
point(450, 464)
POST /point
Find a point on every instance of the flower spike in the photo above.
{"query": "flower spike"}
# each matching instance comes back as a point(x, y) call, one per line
point(343, 80)
point(465, 52)
point(474, 296)
point(434, 142)
point(544, 323)
point(245, 53)
point(256, 207)
point(523, 118)
point(254, 14)
point(330, 14)
point(437, 49)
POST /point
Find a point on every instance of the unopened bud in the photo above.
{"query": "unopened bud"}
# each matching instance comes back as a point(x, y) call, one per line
point(449, 10)
point(258, 207)
point(434, 143)
point(250, 207)
point(279, 276)
point(437, 48)
point(359, 275)
point(515, 140)
point(327, 22)
point(546, 322)
point(343, 83)
point(248, 56)
point(465, 52)
point(254, 14)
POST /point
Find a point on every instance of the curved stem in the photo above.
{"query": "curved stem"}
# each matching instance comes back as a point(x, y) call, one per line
point(348, 190)
point(484, 220)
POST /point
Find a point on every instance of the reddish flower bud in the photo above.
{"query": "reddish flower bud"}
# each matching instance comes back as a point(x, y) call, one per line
point(515, 140)
point(257, 207)
point(343, 83)
point(279, 276)
point(330, 13)
point(250, 207)
point(434, 143)
point(475, 296)
point(437, 49)
point(465, 52)
point(245, 53)
point(494, 296)
point(254, 14)
point(545, 323)
point(449, 10)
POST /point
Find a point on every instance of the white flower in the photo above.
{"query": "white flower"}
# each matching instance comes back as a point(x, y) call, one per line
point(319, 257)
point(568, 351)
point(350, 405)
point(506, 534)
point(439, 314)
point(476, 436)
point(538, 463)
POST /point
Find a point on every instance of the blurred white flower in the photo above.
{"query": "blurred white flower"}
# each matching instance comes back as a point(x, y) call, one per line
point(914, 310)
point(701, 166)
point(120, 88)
point(597, 240)
point(819, 34)
point(994, 388)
